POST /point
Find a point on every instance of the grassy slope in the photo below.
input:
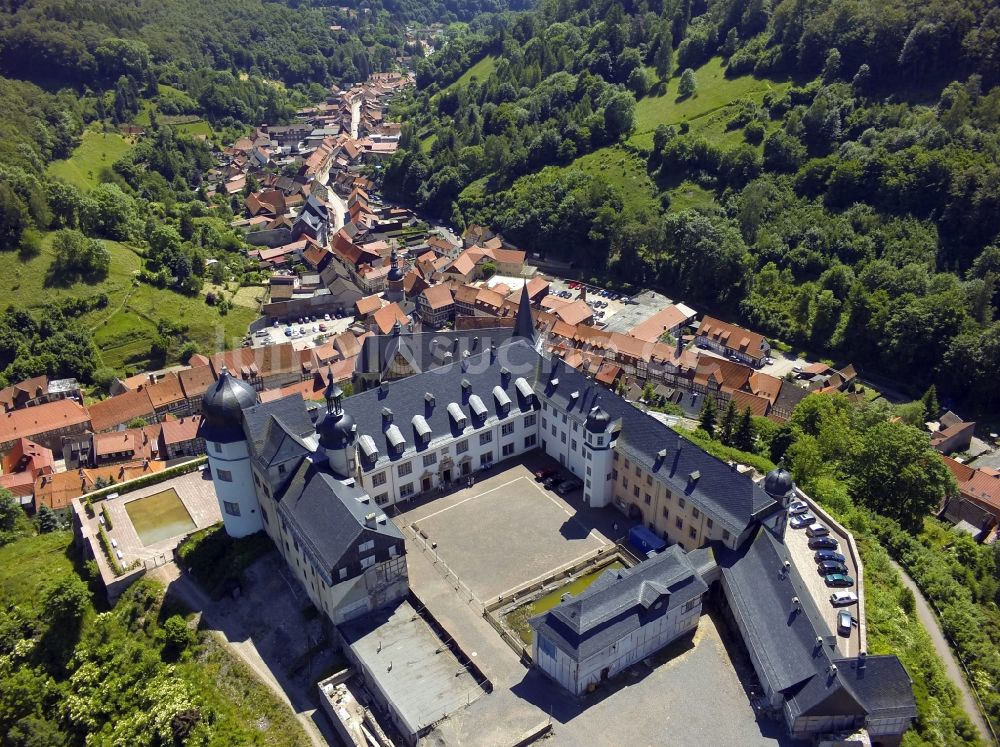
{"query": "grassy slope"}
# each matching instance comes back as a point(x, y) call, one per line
point(97, 150)
point(123, 333)
point(481, 71)
point(248, 712)
point(623, 170)
point(714, 92)
point(30, 564)
point(707, 114)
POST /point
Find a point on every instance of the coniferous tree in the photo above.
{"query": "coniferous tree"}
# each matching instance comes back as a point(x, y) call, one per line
point(930, 402)
point(706, 419)
point(744, 437)
point(727, 427)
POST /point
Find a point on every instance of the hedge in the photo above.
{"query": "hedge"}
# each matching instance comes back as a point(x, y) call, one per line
point(107, 518)
point(109, 552)
point(147, 480)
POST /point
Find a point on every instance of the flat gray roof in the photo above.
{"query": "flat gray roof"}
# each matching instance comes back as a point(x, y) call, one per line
point(411, 666)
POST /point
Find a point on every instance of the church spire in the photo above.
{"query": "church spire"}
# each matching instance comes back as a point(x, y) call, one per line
point(523, 324)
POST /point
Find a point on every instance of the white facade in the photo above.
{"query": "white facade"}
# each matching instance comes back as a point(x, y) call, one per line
point(605, 664)
point(564, 437)
point(449, 458)
point(234, 488)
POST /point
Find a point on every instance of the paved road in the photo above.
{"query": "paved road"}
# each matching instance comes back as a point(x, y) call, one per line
point(183, 588)
point(929, 620)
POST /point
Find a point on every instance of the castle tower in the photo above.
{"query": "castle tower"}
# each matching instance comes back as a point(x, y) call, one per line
point(779, 485)
point(229, 453)
point(394, 282)
point(337, 432)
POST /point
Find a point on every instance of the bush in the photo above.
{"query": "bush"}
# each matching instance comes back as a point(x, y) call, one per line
point(754, 132)
point(213, 557)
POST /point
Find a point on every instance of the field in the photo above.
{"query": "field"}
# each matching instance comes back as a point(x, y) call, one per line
point(714, 92)
point(124, 331)
point(97, 150)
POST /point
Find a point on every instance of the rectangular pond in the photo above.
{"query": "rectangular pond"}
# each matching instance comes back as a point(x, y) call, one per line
point(159, 517)
point(517, 619)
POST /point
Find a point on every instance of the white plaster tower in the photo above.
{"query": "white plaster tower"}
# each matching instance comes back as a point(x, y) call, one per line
point(229, 454)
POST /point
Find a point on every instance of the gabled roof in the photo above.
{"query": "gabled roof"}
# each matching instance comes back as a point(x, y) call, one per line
point(196, 380)
point(387, 316)
point(330, 520)
point(34, 421)
point(620, 602)
point(733, 337)
point(661, 322)
point(119, 410)
point(438, 297)
point(179, 430)
point(165, 392)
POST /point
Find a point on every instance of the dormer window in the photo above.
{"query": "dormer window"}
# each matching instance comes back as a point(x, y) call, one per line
point(479, 410)
point(457, 416)
point(502, 401)
point(422, 430)
point(396, 441)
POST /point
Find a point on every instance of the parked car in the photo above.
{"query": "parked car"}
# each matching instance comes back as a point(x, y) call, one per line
point(827, 567)
point(823, 543)
point(339, 314)
point(326, 317)
point(276, 325)
point(845, 621)
point(542, 474)
point(551, 481)
point(839, 579)
point(803, 520)
point(289, 331)
point(823, 555)
point(797, 507)
point(768, 361)
point(568, 486)
point(843, 598)
point(322, 327)
point(817, 530)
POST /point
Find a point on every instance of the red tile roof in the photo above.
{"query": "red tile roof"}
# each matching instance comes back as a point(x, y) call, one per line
point(119, 410)
point(41, 419)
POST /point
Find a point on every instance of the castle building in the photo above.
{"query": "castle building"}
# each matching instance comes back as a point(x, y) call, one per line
point(439, 408)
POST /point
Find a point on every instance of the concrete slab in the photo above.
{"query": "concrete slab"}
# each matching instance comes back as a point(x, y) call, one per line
point(503, 532)
point(403, 658)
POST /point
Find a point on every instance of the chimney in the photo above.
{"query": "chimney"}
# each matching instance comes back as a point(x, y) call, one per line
point(583, 292)
point(861, 660)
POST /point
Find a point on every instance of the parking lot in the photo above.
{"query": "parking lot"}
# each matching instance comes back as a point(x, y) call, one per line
point(311, 335)
point(804, 558)
point(504, 531)
point(605, 307)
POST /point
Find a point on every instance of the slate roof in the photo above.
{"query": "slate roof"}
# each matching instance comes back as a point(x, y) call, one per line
point(782, 636)
point(429, 348)
point(328, 518)
point(291, 411)
point(732, 498)
point(431, 395)
point(620, 602)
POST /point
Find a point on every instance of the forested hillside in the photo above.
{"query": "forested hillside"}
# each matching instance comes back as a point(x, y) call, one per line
point(107, 239)
point(826, 171)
